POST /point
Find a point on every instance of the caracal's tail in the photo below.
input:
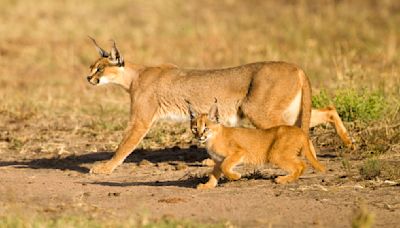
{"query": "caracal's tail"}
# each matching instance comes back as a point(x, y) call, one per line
point(305, 103)
point(309, 152)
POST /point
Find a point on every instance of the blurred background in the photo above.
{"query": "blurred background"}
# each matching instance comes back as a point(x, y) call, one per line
point(45, 55)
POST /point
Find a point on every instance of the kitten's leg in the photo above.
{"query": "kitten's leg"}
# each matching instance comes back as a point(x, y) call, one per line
point(208, 162)
point(213, 178)
point(294, 167)
point(229, 163)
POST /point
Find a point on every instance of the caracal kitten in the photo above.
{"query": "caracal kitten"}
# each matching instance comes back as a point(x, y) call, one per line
point(230, 146)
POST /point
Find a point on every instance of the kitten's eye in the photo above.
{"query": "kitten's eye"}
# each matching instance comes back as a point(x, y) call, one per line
point(206, 129)
point(194, 130)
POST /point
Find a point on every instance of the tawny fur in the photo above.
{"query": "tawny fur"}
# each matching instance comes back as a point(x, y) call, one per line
point(262, 92)
point(229, 146)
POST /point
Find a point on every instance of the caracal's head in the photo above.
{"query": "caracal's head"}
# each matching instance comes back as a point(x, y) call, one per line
point(109, 68)
point(204, 126)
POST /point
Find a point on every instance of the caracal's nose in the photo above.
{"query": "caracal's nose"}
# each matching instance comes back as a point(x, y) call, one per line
point(89, 78)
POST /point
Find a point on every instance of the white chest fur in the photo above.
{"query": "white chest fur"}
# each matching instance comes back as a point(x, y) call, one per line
point(215, 156)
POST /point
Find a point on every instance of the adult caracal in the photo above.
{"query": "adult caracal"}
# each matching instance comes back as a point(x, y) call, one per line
point(230, 146)
point(267, 93)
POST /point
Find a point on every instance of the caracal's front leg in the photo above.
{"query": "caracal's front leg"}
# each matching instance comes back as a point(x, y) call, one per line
point(213, 178)
point(229, 163)
point(141, 121)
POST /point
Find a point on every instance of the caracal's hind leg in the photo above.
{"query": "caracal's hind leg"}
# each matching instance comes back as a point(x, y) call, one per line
point(271, 105)
point(330, 115)
point(213, 178)
point(294, 167)
point(229, 163)
point(284, 154)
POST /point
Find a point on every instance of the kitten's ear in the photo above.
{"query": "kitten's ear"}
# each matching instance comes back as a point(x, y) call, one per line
point(213, 114)
point(192, 113)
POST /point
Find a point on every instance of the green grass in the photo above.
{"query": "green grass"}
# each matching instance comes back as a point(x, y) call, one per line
point(371, 169)
point(375, 167)
point(362, 218)
point(353, 105)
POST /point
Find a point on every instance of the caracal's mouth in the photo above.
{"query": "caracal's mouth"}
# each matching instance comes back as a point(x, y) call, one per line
point(203, 139)
point(93, 81)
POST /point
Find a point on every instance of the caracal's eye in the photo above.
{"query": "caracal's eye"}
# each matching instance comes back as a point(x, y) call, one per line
point(99, 69)
point(205, 129)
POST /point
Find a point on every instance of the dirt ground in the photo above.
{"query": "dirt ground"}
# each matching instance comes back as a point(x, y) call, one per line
point(161, 183)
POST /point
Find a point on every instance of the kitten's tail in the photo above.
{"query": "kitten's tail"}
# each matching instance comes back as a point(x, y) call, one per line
point(309, 152)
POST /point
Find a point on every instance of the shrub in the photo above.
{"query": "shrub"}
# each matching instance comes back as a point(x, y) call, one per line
point(354, 105)
point(371, 169)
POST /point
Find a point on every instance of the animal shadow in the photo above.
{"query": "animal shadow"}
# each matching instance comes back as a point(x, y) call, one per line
point(192, 156)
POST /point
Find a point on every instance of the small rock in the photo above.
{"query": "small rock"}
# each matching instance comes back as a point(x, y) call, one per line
point(162, 164)
point(171, 200)
point(358, 186)
point(145, 162)
point(390, 182)
point(114, 194)
point(180, 166)
point(86, 194)
point(389, 207)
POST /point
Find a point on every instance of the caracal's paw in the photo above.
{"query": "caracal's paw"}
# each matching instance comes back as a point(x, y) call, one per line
point(208, 162)
point(233, 176)
point(205, 186)
point(102, 168)
point(352, 146)
point(283, 179)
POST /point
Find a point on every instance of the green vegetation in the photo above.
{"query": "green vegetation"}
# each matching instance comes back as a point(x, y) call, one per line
point(362, 218)
point(354, 104)
point(374, 167)
point(371, 169)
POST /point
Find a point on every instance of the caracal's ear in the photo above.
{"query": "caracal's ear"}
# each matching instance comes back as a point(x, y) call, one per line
point(115, 57)
point(192, 113)
point(101, 51)
point(213, 114)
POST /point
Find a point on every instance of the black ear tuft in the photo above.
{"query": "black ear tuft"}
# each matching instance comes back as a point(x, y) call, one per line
point(101, 51)
point(192, 113)
point(115, 56)
point(213, 114)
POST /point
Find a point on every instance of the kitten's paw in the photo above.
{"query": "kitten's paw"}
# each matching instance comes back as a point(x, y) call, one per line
point(283, 179)
point(204, 186)
point(208, 162)
point(102, 168)
point(233, 176)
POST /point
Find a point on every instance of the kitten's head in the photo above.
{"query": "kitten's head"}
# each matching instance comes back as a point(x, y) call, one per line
point(203, 125)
